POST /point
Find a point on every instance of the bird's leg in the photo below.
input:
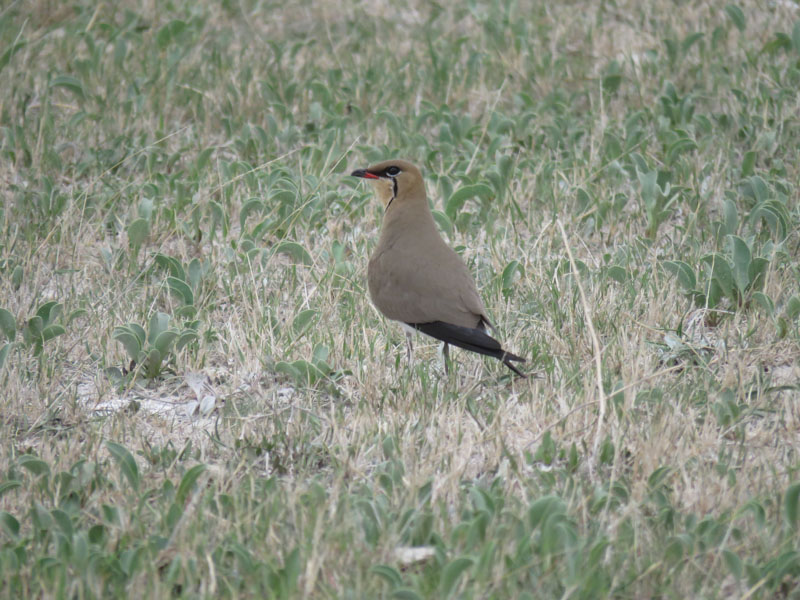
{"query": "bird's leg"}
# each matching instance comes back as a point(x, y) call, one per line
point(409, 348)
point(446, 358)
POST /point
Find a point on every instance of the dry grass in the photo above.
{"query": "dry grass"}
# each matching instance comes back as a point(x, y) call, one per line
point(334, 465)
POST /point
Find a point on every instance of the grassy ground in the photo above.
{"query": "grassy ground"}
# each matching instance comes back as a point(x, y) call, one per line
point(199, 399)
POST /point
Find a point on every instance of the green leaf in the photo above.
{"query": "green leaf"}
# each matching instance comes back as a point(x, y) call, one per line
point(731, 216)
point(137, 233)
point(388, 574)
point(8, 324)
point(544, 508)
point(721, 273)
point(16, 277)
point(153, 363)
point(757, 272)
point(187, 483)
point(7, 486)
point(508, 277)
point(4, 353)
point(453, 571)
point(444, 222)
point(765, 302)
point(683, 272)
point(181, 289)
point(49, 312)
point(252, 205)
point(741, 262)
point(126, 462)
point(462, 194)
point(9, 54)
point(33, 464)
point(795, 38)
point(406, 594)
point(679, 147)
point(51, 331)
point(171, 264)
point(125, 336)
point(733, 562)
point(165, 340)
point(303, 321)
point(159, 323)
point(748, 162)
point(167, 34)
point(793, 307)
point(9, 524)
point(791, 505)
point(69, 83)
point(736, 15)
point(187, 336)
point(295, 251)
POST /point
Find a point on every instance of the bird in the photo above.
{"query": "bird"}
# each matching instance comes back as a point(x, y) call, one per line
point(415, 278)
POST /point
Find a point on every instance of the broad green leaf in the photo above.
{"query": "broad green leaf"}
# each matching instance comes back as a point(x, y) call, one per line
point(741, 262)
point(748, 162)
point(187, 336)
point(196, 271)
point(295, 251)
point(165, 340)
point(137, 233)
point(159, 323)
point(733, 562)
point(721, 273)
point(69, 83)
point(49, 312)
point(791, 505)
point(303, 321)
point(9, 524)
point(8, 324)
point(138, 331)
point(736, 15)
point(187, 483)
point(757, 272)
point(251, 206)
point(543, 508)
point(388, 574)
point(181, 289)
point(171, 264)
point(731, 216)
point(125, 462)
point(167, 34)
point(679, 147)
point(33, 464)
point(51, 331)
point(444, 222)
point(129, 341)
point(4, 352)
point(16, 277)
point(9, 485)
point(452, 572)
point(793, 307)
point(508, 277)
point(795, 37)
point(765, 302)
point(9, 54)
point(462, 194)
point(152, 360)
point(405, 594)
point(683, 272)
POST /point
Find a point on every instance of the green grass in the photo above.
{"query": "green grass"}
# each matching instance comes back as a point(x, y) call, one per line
point(200, 401)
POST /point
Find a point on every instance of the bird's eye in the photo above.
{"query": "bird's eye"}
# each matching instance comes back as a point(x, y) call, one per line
point(392, 171)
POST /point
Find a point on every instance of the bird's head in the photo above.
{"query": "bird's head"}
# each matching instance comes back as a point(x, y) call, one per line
point(394, 180)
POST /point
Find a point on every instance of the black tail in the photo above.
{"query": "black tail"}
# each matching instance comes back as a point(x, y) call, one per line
point(468, 338)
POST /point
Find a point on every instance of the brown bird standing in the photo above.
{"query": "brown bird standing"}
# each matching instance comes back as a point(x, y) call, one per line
point(415, 277)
